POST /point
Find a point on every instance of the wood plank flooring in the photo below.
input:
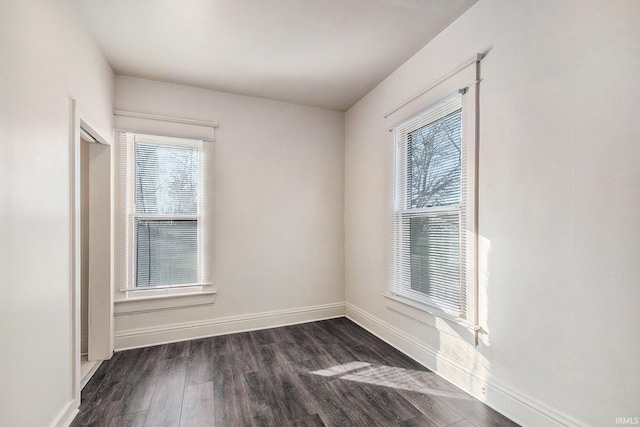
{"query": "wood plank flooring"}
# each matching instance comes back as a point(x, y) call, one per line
point(328, 373)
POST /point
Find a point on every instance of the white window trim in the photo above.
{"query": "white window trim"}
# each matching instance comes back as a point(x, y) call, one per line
point(402, 213)
point(425, 309)
point(204, 285)
point(437, 90)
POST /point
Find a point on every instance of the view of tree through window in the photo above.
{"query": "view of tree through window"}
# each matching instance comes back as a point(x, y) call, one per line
point(434, 180)
point(166, 208)
point(166, 179)
point(434, 163)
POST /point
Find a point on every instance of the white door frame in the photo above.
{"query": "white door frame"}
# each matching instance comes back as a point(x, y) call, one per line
point(100, 307)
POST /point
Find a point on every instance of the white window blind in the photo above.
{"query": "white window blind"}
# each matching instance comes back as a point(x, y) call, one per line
point(430, 208)
point(164, 229)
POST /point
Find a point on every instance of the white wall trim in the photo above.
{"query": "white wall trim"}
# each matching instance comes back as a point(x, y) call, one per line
point(134, 306)
point(86, 377)
point(514, 404)
point(66, 416)
point(473, 60)
point(162, 334)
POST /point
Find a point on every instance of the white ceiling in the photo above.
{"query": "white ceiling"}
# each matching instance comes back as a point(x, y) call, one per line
point(325, 53)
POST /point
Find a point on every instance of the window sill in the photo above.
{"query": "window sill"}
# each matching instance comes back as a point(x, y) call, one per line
point(431, 316)
point(146, 301)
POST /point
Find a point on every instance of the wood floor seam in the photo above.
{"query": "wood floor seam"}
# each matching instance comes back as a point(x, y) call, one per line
point(325, 373)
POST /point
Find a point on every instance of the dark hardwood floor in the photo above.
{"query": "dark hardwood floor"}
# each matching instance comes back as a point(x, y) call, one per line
point(330, 373)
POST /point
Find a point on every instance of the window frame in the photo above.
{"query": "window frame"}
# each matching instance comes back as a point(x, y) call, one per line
point(468, 211)
point(130, 217)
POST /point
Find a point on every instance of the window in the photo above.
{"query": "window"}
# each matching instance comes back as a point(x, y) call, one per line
point(430, 209)
point(164, 221)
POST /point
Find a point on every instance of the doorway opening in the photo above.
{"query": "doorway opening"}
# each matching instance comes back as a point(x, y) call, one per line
point(86, 367)
point(95, 239)
point(92, 252)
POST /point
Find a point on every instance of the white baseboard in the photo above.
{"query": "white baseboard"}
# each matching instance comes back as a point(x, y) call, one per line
point(86, 372)
point(66, 415)
point(516, 405)
point(162, 334)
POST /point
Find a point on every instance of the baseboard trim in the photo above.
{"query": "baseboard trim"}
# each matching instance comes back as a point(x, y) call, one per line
point(514, 404)
point(87, 376)
point(163, 334)
point(66, 416)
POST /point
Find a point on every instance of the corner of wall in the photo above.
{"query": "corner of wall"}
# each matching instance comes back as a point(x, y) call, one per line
point(514, 404)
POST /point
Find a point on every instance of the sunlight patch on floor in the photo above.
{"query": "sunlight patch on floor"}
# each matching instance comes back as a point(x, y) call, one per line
point(390, 376)
point(342, 369)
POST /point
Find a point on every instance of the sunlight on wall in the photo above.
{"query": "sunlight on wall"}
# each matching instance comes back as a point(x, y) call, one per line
point(458, 358)
point(461, 362)
point(484, 250)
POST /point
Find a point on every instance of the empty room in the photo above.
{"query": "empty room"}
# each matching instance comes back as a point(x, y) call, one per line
point(319, 213)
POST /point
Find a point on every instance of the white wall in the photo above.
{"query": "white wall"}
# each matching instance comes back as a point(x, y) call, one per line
point(279, 227)
point(559, 202)
point(47, 58)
